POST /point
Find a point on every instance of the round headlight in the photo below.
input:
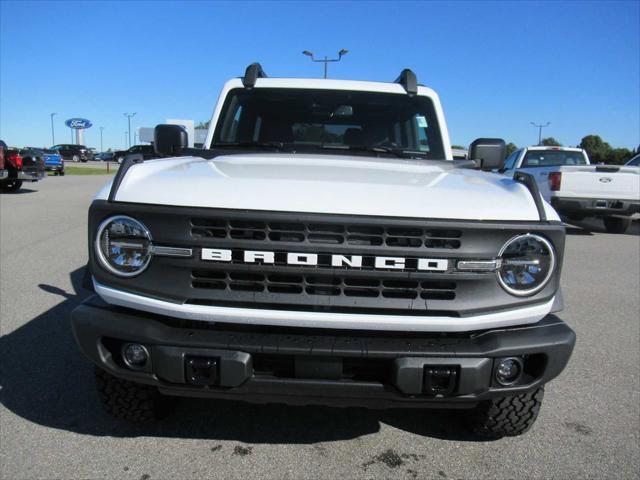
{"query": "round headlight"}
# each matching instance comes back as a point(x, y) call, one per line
point(527, 263)
point(123, 246)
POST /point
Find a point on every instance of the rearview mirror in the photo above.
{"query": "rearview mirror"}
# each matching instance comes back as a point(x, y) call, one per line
point(488, 153)
point(169, 140)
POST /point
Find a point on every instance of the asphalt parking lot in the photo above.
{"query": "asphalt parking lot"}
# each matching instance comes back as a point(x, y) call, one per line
point(52, 426)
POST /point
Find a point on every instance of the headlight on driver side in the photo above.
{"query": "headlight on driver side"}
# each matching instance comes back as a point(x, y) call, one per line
point(527, 264)
point(123, 246)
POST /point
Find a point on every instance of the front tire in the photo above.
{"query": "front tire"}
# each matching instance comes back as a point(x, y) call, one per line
point(12, 186)
point(506, 416)
point(131, 401)
point(76, 158)
point(616, 224)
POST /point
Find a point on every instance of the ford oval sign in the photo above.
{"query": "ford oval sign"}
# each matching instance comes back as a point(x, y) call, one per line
point(78, 123)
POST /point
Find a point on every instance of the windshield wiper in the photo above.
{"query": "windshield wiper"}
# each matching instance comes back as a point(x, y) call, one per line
point(398, 152)
point(262, 145)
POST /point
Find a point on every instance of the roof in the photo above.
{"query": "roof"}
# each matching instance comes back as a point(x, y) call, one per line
point(545, 147)
point(329, 84)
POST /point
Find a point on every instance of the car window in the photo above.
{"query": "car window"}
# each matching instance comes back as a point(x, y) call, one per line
point(553, 158)
point(510, 162)
point(315, 119)
point(634, 162)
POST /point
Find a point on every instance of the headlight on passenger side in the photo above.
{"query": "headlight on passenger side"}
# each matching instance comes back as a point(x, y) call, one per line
point(526, 264)
point(123, 246)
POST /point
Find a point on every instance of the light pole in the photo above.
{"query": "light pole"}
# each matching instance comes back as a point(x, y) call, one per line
point(101, 149)
point(125, 139)
point(53, 136)
point(326, 60)
point(540, 127)
point(129, 115)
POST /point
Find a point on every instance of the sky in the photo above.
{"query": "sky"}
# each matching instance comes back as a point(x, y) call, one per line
point(497, 66)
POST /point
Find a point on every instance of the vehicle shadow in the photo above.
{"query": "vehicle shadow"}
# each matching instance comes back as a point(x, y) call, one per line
point(590, 226)
point(46, 380)
point(18, 192)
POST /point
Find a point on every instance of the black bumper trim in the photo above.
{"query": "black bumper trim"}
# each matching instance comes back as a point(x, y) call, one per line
point(593, 207)
point(471, 356)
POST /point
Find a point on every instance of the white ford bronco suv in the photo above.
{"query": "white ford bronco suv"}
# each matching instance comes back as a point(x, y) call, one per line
point(324, 248)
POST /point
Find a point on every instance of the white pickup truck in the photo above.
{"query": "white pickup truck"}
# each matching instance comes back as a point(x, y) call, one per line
point(577, 189)
point(324, 248)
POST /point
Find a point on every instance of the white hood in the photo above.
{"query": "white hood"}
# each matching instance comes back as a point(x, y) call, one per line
point(328, 184)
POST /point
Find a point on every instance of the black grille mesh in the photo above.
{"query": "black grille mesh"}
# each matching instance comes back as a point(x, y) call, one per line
point(325, 285)
point(326, 233)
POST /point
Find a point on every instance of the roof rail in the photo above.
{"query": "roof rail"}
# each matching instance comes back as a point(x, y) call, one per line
point(251, 74)
point(409, 81)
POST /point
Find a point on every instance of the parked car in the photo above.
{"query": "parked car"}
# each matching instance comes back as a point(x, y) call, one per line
point(53, 162)
point(147, 152)
point(577, 189)
point(21, 165)
point(634, 162)
point(3, 171)
point(105, 156)
point(75, 153)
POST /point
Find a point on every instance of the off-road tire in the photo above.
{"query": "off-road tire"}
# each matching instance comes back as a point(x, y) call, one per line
point(131, 401)
point(506, 416)
point(616, 224)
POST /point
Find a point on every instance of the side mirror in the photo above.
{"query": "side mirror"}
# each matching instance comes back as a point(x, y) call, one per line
point(169, 140)
point(489, 153)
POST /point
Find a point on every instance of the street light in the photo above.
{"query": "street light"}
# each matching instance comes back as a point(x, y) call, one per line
point(129, 115)
point(540, 127)
point(53, 137)
point(101, 149)
point(326, 60)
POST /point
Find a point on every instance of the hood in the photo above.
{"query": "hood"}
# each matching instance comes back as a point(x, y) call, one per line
point(329, 184)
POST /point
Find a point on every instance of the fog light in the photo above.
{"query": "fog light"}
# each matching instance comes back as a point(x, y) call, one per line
point(135, 355)
point(509, 371)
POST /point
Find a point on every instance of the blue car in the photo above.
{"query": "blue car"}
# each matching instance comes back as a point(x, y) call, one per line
point(53, 162)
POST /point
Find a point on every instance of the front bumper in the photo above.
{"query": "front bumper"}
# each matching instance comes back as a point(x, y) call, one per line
point(54, 168)
point(313, 366)
point(593, 207)
point(31, 176)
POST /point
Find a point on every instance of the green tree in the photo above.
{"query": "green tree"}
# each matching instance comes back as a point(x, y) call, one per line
point(597, 149)
point(459, 147)
point(618, 156)
point(511, 147)
point(204, 125)
point(551, 142)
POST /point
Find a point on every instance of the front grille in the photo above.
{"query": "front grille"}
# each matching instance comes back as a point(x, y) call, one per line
point(323, 285)
point(326, 233)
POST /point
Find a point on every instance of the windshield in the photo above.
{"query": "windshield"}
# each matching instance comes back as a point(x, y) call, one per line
point(552, 158)
point(634, 162)
point(330, 119)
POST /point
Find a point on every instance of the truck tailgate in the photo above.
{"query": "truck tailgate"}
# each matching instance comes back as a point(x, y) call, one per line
point(596, 181)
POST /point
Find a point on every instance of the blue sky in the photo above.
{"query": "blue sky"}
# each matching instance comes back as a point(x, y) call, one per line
point(497, 66)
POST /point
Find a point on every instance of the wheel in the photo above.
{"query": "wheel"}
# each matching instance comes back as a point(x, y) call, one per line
point(12, 186)
point(119, 159)
point(76, 158)
point(506, 416)
point(131, 401)
point(616, 224)
point(61, 174)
